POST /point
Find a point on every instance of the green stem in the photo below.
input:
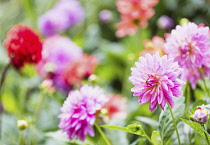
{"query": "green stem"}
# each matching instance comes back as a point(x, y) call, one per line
point(102, 134)
point(207, 139)
point(175, 126)
point(3, 76)
point(147, 137)
point(202, 74)
point(2, 79)
point(187, 96)
point(20, 138)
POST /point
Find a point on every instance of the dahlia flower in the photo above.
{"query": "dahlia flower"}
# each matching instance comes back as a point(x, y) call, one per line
point(134, 14)
point(156, 80)
point(78, 112)
point(57, 53)
point(115, 106)
point(23, 46)
point(79, 69)
point(188, 45)
point(153, 46)
point(65, 14)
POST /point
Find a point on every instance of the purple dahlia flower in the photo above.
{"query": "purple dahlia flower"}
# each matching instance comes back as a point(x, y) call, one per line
point(156, 80)
point(188, 45)
point(57, 53)
point(78, 111)
point(65, 14)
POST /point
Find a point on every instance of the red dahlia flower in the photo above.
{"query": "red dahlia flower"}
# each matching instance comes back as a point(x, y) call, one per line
point(23, 46)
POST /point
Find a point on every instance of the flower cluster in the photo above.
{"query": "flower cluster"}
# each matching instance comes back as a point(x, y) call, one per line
point(156, 80)
point(23, 46)
point(78, 111)
point(189, 46)
point(134, 14)
point(65, 63)
point(65, 14)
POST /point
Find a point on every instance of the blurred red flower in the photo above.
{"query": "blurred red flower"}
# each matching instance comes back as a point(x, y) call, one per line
point(80, 69)
point(23, 46)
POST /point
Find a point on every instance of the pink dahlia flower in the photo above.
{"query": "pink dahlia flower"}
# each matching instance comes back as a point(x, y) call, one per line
point(156, 80)
point(188, 45)
point(78, 112)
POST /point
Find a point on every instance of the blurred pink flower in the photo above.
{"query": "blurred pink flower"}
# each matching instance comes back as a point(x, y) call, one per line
point(78, 112)
point(79, 69)
point(193, 74)
point(153, 46)
point(156, 80)
point(188, 45)
point(134, 14)
point(115, 106)
point(57, 53)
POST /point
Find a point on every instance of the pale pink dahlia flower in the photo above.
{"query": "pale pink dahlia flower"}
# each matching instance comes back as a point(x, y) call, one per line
point(188, 45)
point(78, 111)
point(156, 80)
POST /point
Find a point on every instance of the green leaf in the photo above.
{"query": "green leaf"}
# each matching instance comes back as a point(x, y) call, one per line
point(156, 138)
point(196, 126)
point(166, 125)
point(147, 120)
point(132, 128)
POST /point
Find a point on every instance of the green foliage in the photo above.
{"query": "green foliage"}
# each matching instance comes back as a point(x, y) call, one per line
point(166, 125)
point(195, 126)
point(156, 139)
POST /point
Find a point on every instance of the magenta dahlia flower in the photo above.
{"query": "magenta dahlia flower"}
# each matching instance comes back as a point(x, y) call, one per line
point(188, 45)
point(156, 80)
point(78, 112)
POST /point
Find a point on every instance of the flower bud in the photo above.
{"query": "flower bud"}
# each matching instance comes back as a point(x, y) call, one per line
point(183, 21)
point(22, 124)
point(201, 115)
point(165, 22)
point(93, 78)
